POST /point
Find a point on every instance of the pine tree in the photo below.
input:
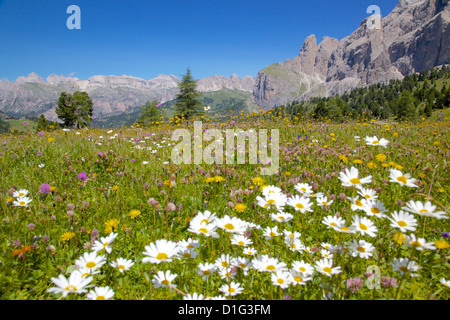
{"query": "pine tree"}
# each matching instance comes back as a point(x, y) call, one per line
point(75, 109)
point(150, 113)
point(406, 107)
point(84, 109)
point(66, 110)
point(188, 104)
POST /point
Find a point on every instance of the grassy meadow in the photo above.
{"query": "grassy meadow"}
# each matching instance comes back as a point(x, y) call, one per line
point(93, 214)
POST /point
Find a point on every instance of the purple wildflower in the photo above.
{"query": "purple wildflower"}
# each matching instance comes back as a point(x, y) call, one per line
point(45, 188)
point(82, 176)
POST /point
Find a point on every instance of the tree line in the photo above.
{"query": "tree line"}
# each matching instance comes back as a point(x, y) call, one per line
point(414, 96)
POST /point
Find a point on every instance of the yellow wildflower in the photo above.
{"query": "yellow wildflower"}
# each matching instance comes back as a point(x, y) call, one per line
point(134, 213)
point(66, 236)
point(441, 244)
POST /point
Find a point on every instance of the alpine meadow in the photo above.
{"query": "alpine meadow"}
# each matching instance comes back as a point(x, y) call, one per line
point(324, 177)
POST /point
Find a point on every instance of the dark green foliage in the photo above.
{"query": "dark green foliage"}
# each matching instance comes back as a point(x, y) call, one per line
point(4, 126)
point(188, 104)
point(76, 109)
point(406, 99)
point(66, 110)
point(150, 114)
point(84, 109)
point(46, 125)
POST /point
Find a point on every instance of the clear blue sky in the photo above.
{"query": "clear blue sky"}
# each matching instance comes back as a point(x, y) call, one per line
point(144, 38)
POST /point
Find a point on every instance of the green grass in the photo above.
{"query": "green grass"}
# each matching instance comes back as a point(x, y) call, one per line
point(122, 177)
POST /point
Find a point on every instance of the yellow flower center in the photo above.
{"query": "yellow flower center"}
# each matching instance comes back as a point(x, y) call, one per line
point(300, 206)
point(241, 243)
point(187, 255)
point(22, 203)
point(270, 268)
point(355, 181)
point(376, 142)
point(415, 243)
point(367, 196)
point(402, 179)
point(375, 210)
point(362, 226)
point(243, 266)
point(206, 272)
point(162, 256)
point(402, 223)
point(298, 279)
point(105, 244)
point(303, 189)
point(224, 264)
point(231, 290)
point(324, 203)
point(404, 268)
point(121, 266)
point(203, 230)
point(361, 249)
point(229, 226)
point(280, 281)
point(90, 264)
point(100, 298)
point(204, 221)
point(358, 203)
point(423, 211)
point(271, 201)
point(333, 224)
point(70, 288)
point(327, 269)
point(165, 282)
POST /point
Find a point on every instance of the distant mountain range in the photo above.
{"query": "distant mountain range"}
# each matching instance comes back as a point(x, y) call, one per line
point(112, 95)
point(415, 36)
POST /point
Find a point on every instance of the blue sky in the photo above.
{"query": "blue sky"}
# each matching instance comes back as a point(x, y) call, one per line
point(144, 38)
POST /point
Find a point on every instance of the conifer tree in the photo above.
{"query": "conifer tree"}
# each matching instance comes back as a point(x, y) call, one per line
point(188, 104)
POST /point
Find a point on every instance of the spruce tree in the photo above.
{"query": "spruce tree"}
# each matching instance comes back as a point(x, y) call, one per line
point(150, 113)
point(187, 101)
point(66, 110)
point(84, 108)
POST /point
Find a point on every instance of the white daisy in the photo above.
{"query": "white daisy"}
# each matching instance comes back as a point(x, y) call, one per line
point(90, 261)
point(403, 221)
point(264, 263)
point(303, 188)
point(419, 243)
point(405, 266)
point(299, 278)
point(164, 279)
point(325, 266)
point(104, 243)
point(231, 289)
point(122, 264)
point(374, 141)
point(161, 251)
point(281, 279)
point(231, 224)
point(350, 178)
point(402, 179)
point(21, 202)
point(302, 204)
point(424, 210)
point(302, 267)
point(206, 269)
point(74, 284)
point(100, 293)
point(364, 226)
point(361, 248)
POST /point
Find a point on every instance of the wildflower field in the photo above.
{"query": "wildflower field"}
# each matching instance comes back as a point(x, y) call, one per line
point(358, 210)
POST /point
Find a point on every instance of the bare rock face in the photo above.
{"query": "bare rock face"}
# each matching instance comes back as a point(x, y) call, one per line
point(111, 95)
point(217, 82)
point(415, 36)
point(280, 83)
